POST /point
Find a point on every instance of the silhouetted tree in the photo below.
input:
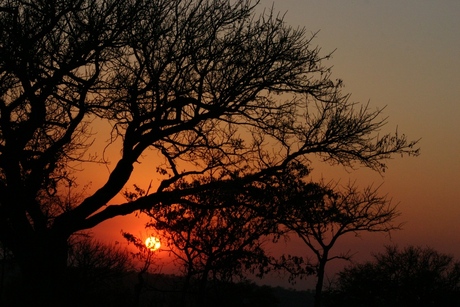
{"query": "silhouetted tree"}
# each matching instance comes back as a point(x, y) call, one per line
point(206, 86)
point(97, 273)
point(413, 276)
point(321, 214)
point(218, 235)
point(146, 258)
point(90, 255)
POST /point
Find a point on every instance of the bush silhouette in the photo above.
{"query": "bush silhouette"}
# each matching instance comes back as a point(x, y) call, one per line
point(413, 276)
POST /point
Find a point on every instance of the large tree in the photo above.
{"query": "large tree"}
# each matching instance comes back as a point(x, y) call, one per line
point(207, 86)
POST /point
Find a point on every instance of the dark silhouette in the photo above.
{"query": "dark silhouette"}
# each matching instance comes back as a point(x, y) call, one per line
point(96, 273)
point(146, 257)
point(215, 236)
point(321, 214)
point(66, 65)
point(413, 276)
point(95, 276)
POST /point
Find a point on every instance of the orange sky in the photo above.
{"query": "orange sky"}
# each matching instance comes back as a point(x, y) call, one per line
point(400, 54)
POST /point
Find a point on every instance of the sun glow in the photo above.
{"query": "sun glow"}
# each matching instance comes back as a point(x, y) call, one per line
point(153, 243)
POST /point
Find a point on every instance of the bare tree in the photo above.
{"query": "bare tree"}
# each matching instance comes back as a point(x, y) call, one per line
point(207, 86)
point(97, 272)
point(99, 260)
point(217, 236)
point(321, 214)
point(146, 258)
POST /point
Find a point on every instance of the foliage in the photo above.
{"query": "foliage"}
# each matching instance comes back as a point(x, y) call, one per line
point(98, 259)
point(97, 272)
point(218, 235)
point(203, 88)
point(413, 276)
point(296, 267)
point(320, 214)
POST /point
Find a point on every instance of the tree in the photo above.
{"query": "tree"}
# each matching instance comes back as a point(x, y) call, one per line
point(96, 273)
point(203, 87)
point(91, 257)
point(217, 236)
point(146, 257)
point(321, 214)
point(95, 276)
point(413, 276)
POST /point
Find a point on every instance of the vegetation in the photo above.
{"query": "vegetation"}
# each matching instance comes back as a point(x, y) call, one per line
point(413, 276)
point(220, 240)
point(219, 234)
point(322, 214)
point(108, 275)
point(204, 89)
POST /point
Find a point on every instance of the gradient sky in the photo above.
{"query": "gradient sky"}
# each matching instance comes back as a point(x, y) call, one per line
point(404, 55)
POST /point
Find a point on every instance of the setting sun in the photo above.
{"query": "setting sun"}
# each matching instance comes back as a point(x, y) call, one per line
point(152, 243)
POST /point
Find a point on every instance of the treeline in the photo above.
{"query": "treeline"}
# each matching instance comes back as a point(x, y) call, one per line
point(102, 275)
point(106, 275)
point(410, 276)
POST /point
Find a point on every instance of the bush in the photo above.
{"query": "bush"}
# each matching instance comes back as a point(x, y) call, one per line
point(413, 276)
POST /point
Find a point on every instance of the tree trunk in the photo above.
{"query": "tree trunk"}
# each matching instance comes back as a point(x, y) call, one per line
point(185, 297)
point(201, 293)
point(320, 281)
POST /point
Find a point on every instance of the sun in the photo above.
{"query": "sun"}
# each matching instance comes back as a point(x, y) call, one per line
point(152, 243)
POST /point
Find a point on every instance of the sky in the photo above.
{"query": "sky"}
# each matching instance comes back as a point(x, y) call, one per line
point(404, 56)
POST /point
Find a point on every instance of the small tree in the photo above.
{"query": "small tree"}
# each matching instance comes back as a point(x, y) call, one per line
point(320, 215)
point(146, 257)
point(97, 273)
point(216, 235)
point(99, 260)
point(413, 276)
